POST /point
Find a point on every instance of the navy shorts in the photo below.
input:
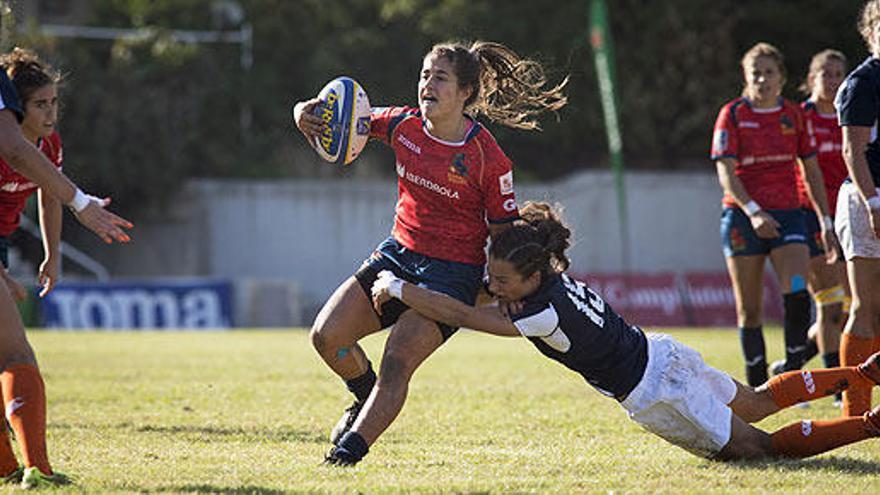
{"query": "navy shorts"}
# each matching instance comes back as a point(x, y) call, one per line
point(738, 238)
point(461, 281)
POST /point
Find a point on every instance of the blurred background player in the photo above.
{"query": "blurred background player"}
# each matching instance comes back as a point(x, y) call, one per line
point(758, 141)
point(23, 391)
point(37, 87)
point(826, 282)
point(664, 385)
point(858, 207)
point(455, 187)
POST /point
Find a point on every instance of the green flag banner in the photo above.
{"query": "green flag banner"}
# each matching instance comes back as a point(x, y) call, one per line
point(600, 40)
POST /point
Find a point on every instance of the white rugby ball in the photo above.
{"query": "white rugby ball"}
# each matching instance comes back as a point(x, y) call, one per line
point(345, 110)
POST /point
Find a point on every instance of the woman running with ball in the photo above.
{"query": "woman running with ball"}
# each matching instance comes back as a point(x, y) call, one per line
point(455, 189)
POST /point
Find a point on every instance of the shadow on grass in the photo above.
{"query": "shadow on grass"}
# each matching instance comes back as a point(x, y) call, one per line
point(204, 488)
point(219, 433)
point(832, 464)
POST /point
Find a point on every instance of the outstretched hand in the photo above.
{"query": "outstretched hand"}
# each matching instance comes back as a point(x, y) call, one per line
point(105, 224)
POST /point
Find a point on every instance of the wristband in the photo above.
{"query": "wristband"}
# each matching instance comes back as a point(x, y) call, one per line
point(751, 208)
point(874, 203)
point(827, 222)
point(395, 288)
point(80, 201)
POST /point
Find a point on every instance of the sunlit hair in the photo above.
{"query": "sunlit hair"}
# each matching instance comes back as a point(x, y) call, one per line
point(762, 50)
point(817, 63)
point(536, 243)
point(868, 26)
point(27, 72)
point(505, 87)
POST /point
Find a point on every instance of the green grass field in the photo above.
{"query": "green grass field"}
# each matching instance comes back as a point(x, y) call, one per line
point(249, 412)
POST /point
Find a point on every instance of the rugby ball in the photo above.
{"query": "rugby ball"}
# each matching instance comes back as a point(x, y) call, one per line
point(345, 110)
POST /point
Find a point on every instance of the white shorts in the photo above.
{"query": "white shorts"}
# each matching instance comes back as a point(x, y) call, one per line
point(853, 225)
point(682, 399)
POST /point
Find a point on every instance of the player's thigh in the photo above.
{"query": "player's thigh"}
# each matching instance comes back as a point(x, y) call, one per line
point(746, 442)
point(822, 276)
point(747, 279)
point(14, 347)
point(347, 316)
point(411, 340)
point(790, 262)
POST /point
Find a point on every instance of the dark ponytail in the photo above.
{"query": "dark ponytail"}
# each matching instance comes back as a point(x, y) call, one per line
point(27, 72)
point(536, 243)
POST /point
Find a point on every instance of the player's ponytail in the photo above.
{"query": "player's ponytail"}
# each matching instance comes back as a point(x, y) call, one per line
point(536, 243)
point(27, 72)
point(506, 88)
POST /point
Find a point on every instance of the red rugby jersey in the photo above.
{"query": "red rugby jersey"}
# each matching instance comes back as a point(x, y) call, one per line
point(446, 192)
point(829, 140)
point(15, 188)
point(765, 144)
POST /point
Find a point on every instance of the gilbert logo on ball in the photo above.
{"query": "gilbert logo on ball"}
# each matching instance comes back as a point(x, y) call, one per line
point(345, 110)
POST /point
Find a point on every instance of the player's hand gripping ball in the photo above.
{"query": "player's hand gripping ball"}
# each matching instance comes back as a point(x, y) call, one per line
point(345, 110)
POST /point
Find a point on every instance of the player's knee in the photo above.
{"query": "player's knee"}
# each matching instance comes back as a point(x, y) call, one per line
point(396, 368)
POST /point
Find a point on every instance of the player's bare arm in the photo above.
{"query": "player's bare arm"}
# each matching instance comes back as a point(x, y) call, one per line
point(440, 307)
point(815, 186)
point(33, 164)
point(765, 225)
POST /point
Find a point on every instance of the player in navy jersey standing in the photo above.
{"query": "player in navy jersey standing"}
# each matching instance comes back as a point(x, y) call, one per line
point(23, 391)
point(664, 385)
point(455, 188)
point(858, 205)
point(759, 139)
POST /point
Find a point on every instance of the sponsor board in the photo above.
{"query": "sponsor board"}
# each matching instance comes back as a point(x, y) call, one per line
point(196, 304)
point(678, 299)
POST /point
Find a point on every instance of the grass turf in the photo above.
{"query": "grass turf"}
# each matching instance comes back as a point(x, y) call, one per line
point(249, 412)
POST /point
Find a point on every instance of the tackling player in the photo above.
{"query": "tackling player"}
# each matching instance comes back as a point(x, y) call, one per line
point(858, 207)
point(826, 282)
point(759, 138)
point(23, 391)
point(664, 385)
point(455, 188)
point(37, 86)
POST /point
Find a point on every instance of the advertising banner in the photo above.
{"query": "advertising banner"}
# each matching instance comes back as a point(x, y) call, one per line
point(168, 304)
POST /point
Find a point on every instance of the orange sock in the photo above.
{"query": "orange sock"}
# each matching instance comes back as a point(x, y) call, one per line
point(806, 438)
point(792, 387)
point(25, 399)
point(8, 462)
point(853, 351)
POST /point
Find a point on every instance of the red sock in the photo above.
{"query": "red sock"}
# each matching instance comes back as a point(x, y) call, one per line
point(853, 351)
point(25, 399)
point(806, 438)
point(792, 387)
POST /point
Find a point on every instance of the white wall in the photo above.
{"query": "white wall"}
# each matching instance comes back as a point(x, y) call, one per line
point(316, 233)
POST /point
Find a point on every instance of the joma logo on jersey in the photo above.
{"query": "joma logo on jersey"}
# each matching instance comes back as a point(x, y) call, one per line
point(17, 186)
point(409, 144)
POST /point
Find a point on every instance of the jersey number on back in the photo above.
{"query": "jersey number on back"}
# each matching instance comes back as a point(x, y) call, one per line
point(585, 300)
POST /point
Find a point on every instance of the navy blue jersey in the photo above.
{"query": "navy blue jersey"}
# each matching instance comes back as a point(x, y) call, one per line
point(570, 323)
point(9, 97)
point(858, 104)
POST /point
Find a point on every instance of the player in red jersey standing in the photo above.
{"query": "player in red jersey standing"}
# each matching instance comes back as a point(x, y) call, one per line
point(37, 86)
point(455, 188)
point(759, 138)
point(23, 391)
point(826, 282)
